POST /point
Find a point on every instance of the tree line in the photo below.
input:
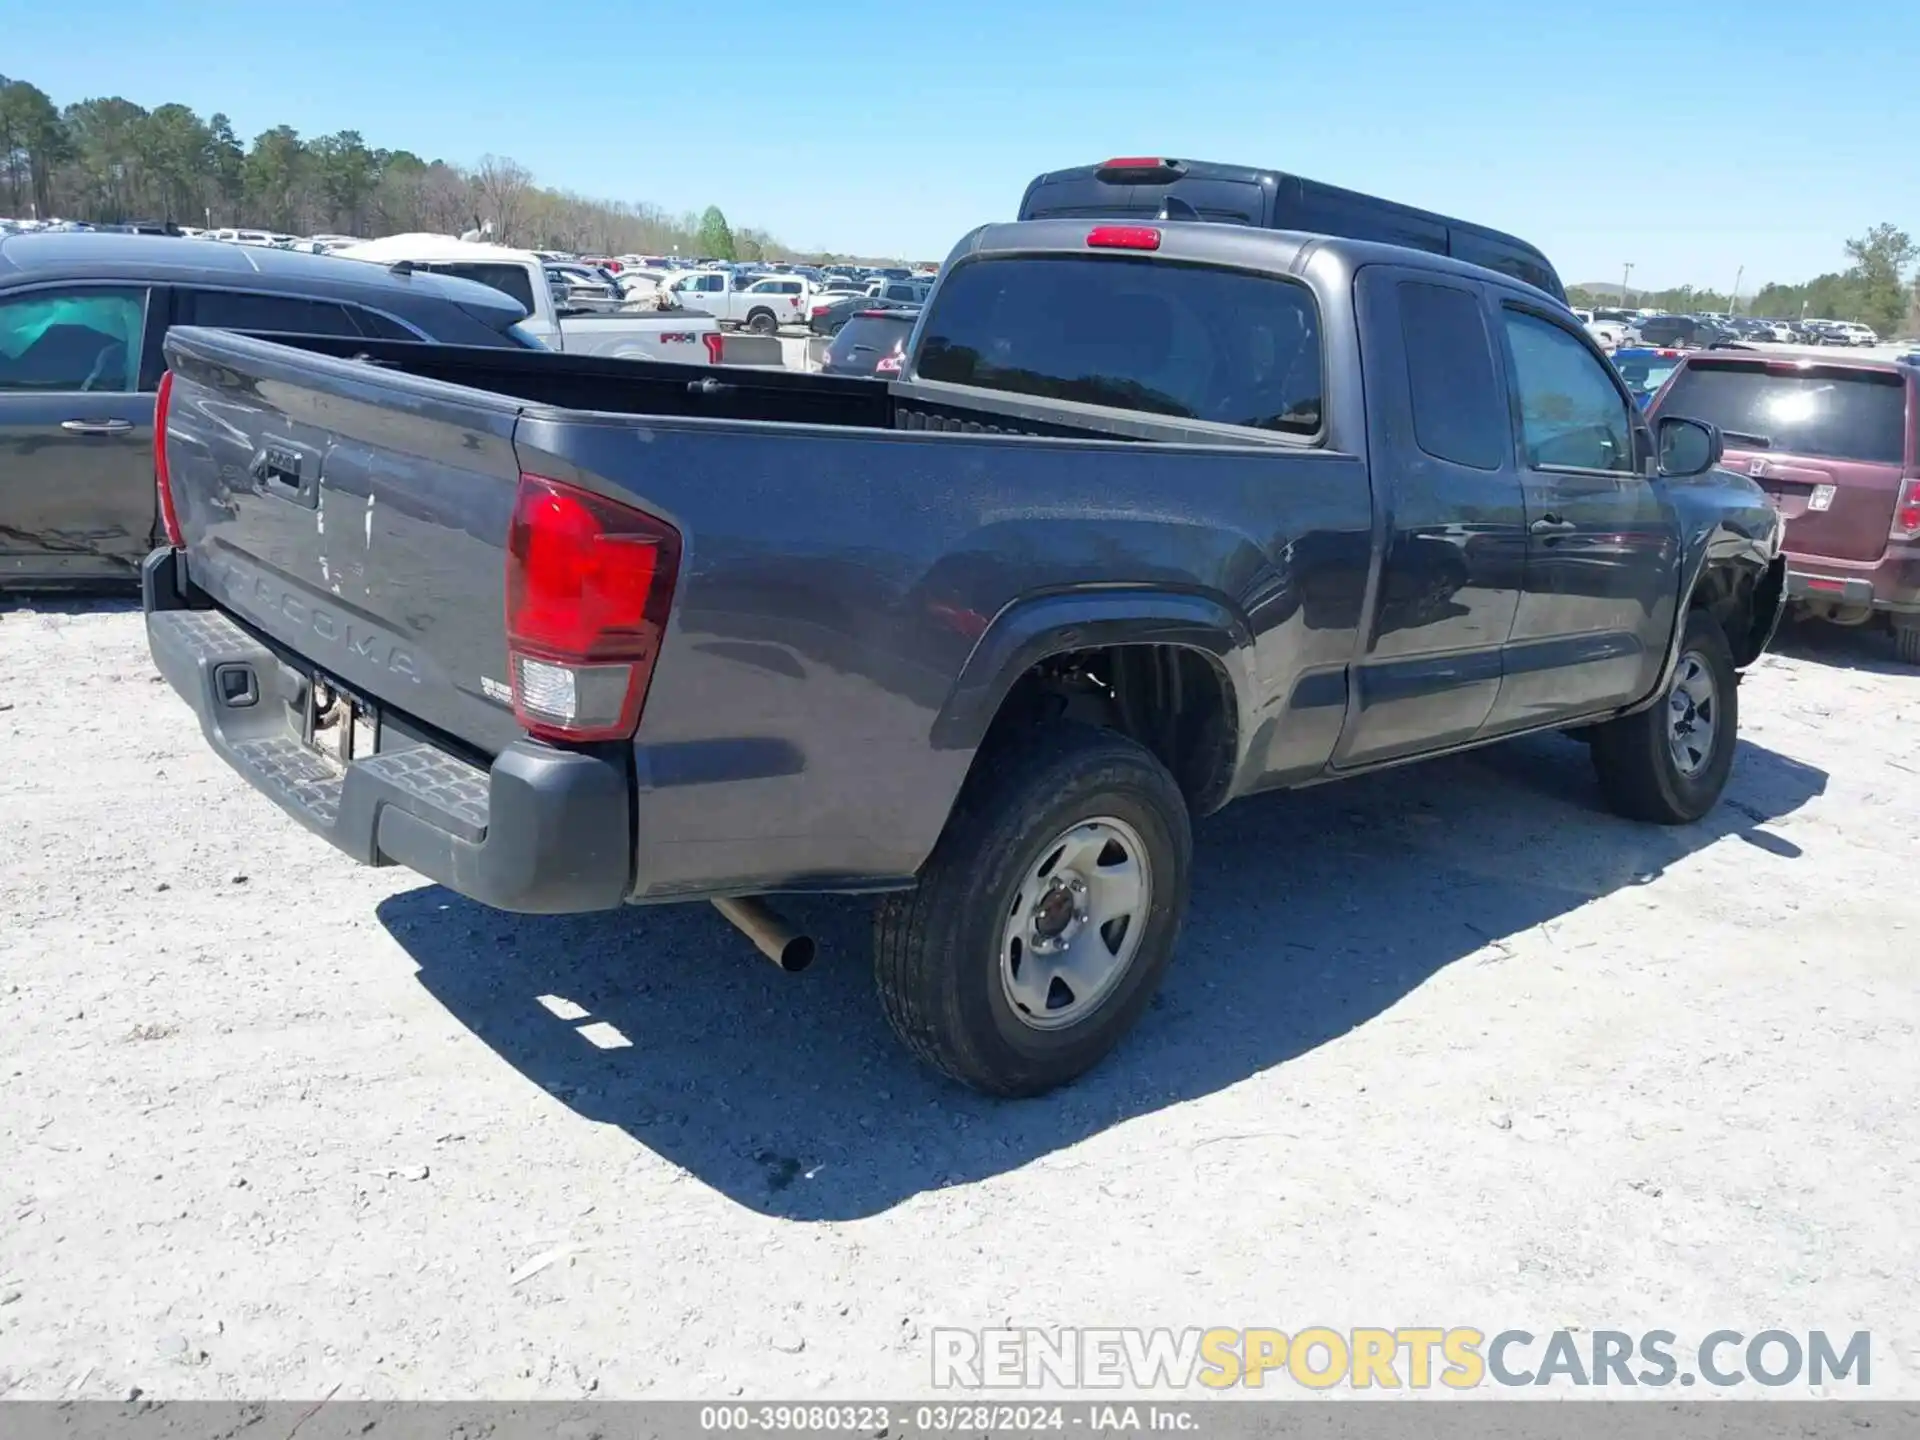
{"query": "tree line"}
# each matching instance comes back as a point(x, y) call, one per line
point(108, 160)
point(1876, 289)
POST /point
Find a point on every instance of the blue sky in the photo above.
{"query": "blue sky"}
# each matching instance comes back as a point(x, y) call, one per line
point(1691, 137)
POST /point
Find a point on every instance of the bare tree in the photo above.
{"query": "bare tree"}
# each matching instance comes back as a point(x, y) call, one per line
point(503, 187)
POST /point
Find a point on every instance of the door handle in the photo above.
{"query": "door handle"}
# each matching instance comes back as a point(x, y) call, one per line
point(1552, 525)
point(96, 427)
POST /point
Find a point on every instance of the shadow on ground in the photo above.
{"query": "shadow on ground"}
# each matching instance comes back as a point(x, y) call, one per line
point(68, 603)
point(1311, 913)
point(1846, 647)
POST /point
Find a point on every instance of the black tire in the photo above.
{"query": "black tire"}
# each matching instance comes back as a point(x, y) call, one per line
point(762, 322)
point(937, 948)
point(1906, 643)
point(1639, 773)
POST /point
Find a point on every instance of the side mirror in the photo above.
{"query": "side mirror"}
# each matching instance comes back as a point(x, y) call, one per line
point(1688, 447)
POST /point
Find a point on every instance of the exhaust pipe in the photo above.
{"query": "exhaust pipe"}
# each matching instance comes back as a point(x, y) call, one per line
point(772, 936)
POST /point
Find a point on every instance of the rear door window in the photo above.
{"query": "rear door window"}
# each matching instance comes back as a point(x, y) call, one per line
point(1458, 414)
point(1833, 412)
point(382, 326)
point(240, 310)
point(1186, 341)
point(83, 339)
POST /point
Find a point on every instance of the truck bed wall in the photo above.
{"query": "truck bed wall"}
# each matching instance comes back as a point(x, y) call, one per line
point(638, 387)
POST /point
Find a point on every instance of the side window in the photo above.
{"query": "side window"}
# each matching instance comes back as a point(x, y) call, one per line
point(66, 340)
point(508, 279)
point(234, 310)
point(1484, 250)
point(1459, 405)
point(380, 327)
point(1572, 415)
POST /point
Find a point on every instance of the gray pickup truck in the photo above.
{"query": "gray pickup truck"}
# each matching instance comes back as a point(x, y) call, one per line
point(1156, 516)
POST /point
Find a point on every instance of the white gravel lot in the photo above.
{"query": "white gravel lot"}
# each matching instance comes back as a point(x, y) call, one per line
point(1444, 1047)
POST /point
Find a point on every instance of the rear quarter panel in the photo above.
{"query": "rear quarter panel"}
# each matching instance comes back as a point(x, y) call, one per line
point(835, 584)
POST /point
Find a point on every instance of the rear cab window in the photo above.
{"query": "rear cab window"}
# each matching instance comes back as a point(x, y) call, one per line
point(1191, 342)
point(1833, 412)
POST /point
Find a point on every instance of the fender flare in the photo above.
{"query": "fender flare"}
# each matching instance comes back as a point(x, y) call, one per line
point(1032, 629)
point(1721, 545)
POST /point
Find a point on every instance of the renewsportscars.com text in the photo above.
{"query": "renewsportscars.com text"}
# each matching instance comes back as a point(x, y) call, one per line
point(1379, 1358)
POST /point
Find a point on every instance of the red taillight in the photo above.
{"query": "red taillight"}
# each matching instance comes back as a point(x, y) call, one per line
point(818, 311)
point(715, 343)
point(1140, 170)
point(1124, 237)
point(589, 582)
point(888, 365)
point(1906, 519)
point(162, 479)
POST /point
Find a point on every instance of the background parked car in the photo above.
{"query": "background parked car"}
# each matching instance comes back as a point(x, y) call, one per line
point(1677, 332)
point(81, 320)
point(828, 318)
point(1836, 444)
point(871, 342)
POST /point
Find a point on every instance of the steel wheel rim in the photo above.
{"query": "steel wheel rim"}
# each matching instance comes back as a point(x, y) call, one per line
point(1693, 707)
point(1076, 923)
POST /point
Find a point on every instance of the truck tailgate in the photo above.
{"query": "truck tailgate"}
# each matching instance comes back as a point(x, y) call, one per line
point(354, 515)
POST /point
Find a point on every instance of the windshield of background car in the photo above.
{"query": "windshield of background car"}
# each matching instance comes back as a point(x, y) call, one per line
point(1837, 413)
point(1188, 341)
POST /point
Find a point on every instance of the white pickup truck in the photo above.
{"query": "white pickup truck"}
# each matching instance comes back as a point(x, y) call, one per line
point(628, 334)
point(760, 303)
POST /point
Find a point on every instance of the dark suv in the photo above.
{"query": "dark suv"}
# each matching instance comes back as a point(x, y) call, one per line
point(1149, 188)
point(82, 315)
point(1680, 332)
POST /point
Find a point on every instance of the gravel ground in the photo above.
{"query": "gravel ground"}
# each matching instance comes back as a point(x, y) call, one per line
point(1449, 1046)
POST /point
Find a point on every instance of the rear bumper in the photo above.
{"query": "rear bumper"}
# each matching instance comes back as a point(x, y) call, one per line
point(542, 830)
point(1890, 584)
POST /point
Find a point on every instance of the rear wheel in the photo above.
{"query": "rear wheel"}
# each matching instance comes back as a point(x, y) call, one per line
point(1906, 642)
point(1044, 918)
point(762, 322)
point(1669, 763)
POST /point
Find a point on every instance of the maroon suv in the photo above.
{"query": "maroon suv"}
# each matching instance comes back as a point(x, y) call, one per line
point(1836, 443)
